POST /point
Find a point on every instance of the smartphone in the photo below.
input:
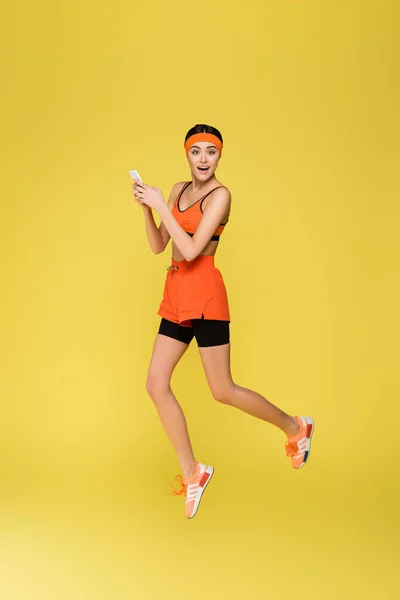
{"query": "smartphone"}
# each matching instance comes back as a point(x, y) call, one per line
point(135, 175)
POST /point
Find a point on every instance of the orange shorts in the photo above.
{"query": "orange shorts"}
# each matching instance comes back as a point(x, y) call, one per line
point(194, 290)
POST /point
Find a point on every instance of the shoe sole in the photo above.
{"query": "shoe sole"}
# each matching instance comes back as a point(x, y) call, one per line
point(210, 471)
point(310, 421)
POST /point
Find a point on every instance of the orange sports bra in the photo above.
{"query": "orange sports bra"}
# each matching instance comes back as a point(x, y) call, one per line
point(190, 218)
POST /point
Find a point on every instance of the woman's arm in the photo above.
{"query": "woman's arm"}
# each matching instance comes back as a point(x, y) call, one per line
point(171, 201)
point(217, 208)
point(158, 236)
point(153, 233)
point(191, 247)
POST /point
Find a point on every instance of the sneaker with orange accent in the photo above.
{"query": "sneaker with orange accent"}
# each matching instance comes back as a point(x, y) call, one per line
point(298, 446)
point(193, 487)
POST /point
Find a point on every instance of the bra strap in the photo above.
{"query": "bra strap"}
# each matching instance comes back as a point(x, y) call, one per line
point(208, 193)
point(185, 185)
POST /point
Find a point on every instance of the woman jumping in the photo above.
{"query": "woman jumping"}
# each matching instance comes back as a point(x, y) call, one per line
point(195, 304)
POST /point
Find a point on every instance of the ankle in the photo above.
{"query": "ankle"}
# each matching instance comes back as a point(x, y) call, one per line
point(292, 427)
point(189, 471)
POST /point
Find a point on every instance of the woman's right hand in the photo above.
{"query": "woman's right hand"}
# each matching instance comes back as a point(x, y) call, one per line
point(137, 199)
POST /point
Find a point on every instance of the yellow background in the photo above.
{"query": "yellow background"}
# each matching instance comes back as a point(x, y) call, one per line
point(306, 95)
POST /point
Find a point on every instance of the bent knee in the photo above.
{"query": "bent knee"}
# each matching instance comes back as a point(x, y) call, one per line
point(157, 386)
point(223, 394)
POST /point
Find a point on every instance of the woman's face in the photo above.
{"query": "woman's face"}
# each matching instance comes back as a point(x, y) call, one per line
point(203, 159)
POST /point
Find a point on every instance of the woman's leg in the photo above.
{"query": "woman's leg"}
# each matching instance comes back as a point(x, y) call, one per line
point(166, 354)
point(216, 362)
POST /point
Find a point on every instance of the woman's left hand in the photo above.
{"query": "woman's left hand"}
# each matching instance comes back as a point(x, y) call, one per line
point(151, 196)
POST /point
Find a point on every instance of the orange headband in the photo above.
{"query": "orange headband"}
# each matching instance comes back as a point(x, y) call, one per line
point(203, 137)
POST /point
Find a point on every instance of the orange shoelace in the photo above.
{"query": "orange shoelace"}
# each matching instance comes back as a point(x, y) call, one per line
point(291, 449)
point(182, 491)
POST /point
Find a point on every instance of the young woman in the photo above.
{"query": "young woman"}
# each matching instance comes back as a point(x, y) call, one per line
point(195, 304)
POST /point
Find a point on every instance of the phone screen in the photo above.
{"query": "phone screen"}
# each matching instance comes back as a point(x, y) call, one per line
point(135, 175)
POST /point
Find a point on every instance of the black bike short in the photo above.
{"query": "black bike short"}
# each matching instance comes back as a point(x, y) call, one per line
point(207, 332)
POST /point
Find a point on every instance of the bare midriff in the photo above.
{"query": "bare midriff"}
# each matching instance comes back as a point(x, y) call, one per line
point(209, 250)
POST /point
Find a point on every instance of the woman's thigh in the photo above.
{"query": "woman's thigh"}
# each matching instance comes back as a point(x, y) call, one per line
point(217, 368)
point(167, 352)
point(211, 332)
